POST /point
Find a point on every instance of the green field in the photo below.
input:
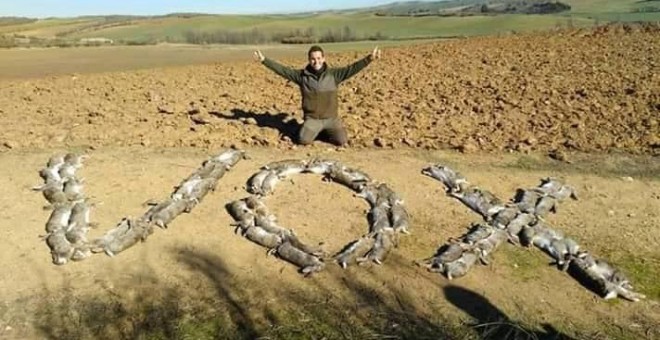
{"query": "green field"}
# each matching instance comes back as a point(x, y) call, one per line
point(39, 25)
point(331, 26)
point(363, 25)
point(603, 6)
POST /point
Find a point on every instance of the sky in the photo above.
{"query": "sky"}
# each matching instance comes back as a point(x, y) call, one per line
point(69, 8)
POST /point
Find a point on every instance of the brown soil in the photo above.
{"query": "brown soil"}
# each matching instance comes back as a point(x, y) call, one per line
point(572, 90)
point(583, 90)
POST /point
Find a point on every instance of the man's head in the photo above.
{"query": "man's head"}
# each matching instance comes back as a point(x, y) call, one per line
point(316, 57)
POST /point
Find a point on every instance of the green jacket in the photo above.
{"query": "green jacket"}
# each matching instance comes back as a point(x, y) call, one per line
point(318, 89)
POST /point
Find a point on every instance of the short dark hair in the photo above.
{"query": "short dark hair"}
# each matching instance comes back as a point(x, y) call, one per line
point(315, 48)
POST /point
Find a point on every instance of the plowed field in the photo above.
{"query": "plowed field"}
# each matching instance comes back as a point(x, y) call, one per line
point(590, 98)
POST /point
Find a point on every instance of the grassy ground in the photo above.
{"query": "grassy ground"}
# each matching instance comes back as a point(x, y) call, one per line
point(621, 17)
point(601, 6)
point(197, 280)
point(45, 27)
point(360, 24)
point(222, 307)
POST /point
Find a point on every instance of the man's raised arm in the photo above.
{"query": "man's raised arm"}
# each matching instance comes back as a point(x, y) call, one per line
point(284, 71)
point(344, 73)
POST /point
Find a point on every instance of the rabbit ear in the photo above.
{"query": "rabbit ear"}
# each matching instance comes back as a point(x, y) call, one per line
point(71, 226)
point(610, 295)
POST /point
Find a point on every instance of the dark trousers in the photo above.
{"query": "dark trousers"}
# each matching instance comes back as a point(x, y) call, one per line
point(332, 127)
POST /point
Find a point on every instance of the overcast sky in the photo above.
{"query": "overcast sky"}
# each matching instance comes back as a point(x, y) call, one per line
point(69, 8)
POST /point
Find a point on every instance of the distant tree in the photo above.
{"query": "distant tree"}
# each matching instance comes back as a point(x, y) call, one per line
point(378, 36)
point(7, 42)
point(328, 37)
point(548, 7)
point(347, 34)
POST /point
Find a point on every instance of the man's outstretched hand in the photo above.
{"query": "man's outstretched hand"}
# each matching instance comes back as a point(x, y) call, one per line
point(258, 56)
point(375, 54)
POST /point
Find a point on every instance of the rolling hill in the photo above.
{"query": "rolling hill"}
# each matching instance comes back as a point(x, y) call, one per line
point(395, 21)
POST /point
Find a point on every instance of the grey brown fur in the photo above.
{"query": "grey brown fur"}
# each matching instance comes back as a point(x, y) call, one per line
point(355, 249)
point(125, 235)
point(308, 264)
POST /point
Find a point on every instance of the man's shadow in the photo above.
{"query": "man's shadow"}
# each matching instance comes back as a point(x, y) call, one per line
point(287, 126)
point(491, 323)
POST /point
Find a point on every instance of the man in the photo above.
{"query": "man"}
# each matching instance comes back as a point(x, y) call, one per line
point(318, 86)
